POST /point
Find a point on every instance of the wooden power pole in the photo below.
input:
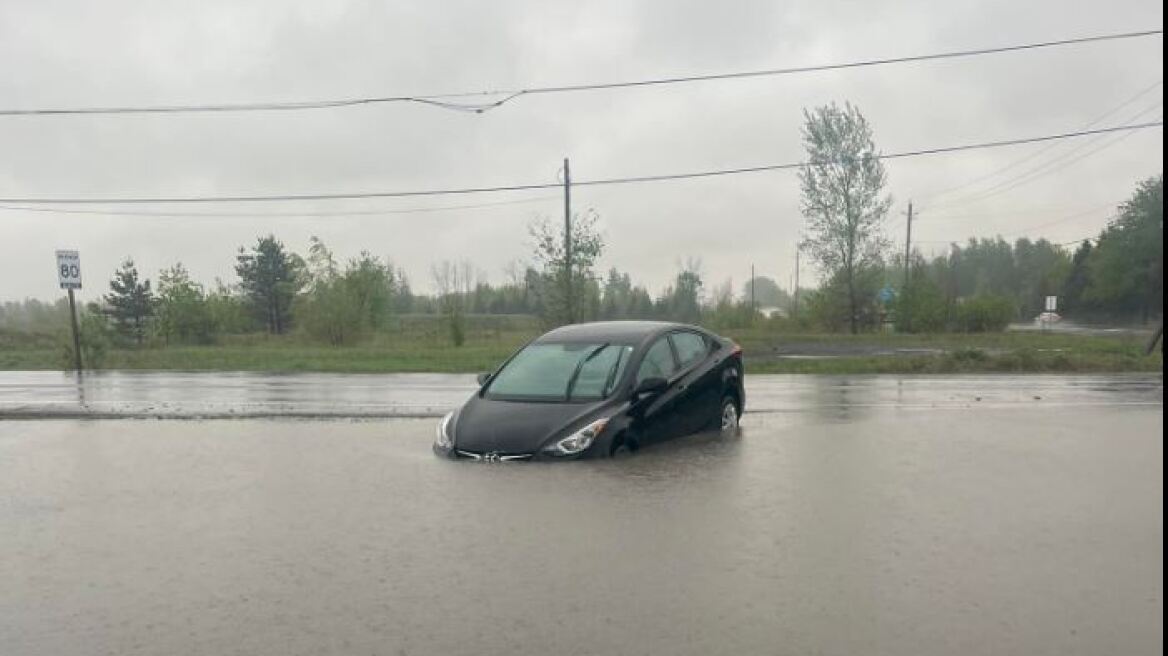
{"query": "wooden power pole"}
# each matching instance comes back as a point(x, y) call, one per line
point(568, 305)
point(908, 246)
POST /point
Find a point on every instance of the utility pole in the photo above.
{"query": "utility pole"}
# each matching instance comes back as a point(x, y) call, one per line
point(795, 313)
point(568, 243)
point(908, 246)
point(752, 292)
point(907, 319)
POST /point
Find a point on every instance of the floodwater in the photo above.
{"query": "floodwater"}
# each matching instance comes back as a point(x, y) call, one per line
point(195, 395)
point(878, 515)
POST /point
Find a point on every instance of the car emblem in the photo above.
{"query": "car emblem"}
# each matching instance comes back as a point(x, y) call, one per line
point(492, 456)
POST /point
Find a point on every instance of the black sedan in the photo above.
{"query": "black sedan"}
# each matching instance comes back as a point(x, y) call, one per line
point(597, 389)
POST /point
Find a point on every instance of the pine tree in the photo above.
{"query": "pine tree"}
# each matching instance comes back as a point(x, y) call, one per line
point(270, 278)
point(130, 303)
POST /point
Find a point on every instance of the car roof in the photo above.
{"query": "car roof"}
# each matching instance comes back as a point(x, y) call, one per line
point(626, 332)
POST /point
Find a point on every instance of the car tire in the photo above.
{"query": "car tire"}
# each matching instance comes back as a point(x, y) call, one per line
point(727, 420)
point(621, 447)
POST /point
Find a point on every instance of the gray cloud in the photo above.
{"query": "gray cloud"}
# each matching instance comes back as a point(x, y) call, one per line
point(150, 52)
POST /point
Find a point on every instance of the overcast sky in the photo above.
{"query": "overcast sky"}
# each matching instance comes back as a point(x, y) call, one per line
point(76, 54)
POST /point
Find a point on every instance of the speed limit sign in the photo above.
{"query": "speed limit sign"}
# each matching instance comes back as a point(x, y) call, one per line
point(69, 269)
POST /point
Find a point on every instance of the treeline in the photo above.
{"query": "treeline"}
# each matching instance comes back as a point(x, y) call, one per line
point(1119, 277)
point(981, 285)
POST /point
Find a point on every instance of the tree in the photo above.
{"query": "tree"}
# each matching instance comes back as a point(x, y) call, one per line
point(371, 283)
point(766, 293)
point(130, 303)
point(1075, 284)
point(182, 313)
point(454, 282)
point(842, 185)
point(682, 301)
point(568, 289)
point(327, 310)
point(270, 278)
point(1127, 267)
point(920, 307)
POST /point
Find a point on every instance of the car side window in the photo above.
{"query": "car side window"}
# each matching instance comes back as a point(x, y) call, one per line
point(658, 362)
point(691, 348)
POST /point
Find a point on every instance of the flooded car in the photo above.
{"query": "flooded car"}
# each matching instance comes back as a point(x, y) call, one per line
point(599, 389)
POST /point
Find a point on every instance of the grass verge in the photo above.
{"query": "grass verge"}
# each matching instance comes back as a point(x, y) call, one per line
point(764, 353)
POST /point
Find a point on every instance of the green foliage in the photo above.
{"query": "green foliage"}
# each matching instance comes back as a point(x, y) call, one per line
point(1127, 267)
point(96, 339)
point(620, 299)
point(33, 316)
point(566, 286)
point(340, 307)
point(229, 311)
point(182, 313)
point(920, 307)
point(270, 278)
point(985, 313)
point(843, 201)
point(682, 300)
point(766, 293)
point(836, 306)
point(130, 303)
point(454, 283)
point(1075, 284)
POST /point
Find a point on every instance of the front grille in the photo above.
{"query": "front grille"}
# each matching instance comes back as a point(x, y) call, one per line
point(493, 456)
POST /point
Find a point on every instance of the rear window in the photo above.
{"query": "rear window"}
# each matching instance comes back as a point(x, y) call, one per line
point(691, 347)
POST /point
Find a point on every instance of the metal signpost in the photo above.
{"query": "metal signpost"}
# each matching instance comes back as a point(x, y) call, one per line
point(69, 277)
point(1051, 306)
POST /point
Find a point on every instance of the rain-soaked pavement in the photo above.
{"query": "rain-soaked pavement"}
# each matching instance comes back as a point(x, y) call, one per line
point(872, 515)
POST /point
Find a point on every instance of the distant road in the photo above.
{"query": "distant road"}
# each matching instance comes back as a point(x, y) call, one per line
point(172, 395)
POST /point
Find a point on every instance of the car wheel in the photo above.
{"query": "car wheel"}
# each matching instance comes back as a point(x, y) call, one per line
point(728, 416)
point(621, 448)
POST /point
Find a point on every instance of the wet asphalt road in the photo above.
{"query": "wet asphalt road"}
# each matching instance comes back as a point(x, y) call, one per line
point(875, 515)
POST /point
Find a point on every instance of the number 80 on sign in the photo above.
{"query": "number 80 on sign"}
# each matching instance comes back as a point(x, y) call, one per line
point(69, 269)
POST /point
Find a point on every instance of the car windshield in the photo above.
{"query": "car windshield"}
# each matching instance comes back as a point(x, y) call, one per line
point(562, 372)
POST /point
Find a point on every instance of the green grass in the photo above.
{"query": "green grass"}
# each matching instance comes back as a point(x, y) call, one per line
point(421, 346)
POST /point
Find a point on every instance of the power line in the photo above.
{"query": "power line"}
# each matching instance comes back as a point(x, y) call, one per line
point(455, 101)
point(992, 174)
point(292, 214)
point(1054, 165)
point(556, 185)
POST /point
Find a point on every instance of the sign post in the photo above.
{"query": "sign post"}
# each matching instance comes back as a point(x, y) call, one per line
point(1051, 306)
point(69, 277)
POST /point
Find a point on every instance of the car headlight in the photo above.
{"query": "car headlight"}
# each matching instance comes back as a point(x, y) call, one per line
point(577, 442)
point(445, 436)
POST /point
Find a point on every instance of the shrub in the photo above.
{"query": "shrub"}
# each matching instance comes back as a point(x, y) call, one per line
point(985, 313)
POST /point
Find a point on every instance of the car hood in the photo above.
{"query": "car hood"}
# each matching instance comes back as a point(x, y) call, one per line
point(513, 427)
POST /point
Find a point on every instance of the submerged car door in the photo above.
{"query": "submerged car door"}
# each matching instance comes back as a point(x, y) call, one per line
point(656, 418)
point(698, 382)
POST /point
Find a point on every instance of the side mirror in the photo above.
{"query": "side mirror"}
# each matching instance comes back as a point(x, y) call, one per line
point(654, 385)
point(483, 378)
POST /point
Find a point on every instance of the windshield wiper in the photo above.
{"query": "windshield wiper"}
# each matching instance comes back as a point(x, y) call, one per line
point(579, 366)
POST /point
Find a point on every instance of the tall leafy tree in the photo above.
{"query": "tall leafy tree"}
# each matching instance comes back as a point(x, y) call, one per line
point(1127, 267)
point(682, 301)
point(270, 278)
point(843, 199)
point(568, 287)
point(327, 309)
point(454, 283)
point(130, 303)
point(1075, 284)
point(182, 314)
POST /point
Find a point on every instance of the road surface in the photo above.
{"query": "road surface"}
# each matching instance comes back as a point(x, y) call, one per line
point(875, 515)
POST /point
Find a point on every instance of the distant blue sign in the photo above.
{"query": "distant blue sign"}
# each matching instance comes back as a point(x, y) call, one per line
point(887, 294)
